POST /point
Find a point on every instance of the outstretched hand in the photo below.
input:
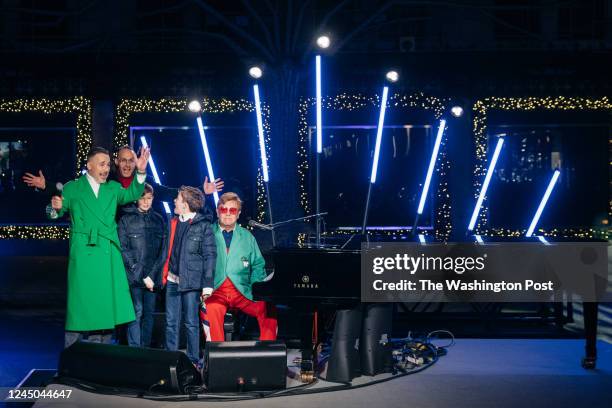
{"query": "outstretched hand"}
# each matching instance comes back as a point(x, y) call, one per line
point(143, 159)
point(210, 188)
point(35, 181)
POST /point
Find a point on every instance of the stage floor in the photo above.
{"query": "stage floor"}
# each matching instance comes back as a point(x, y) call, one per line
point(475, 373)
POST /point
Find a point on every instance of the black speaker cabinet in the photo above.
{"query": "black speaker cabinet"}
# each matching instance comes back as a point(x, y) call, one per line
point(128, 367)
point(344, 361)
point(238, 366)
point(361, 342)
point(375, 344)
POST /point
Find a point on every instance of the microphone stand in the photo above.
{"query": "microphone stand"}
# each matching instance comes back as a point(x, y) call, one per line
point(272, 226)
point(277, 224)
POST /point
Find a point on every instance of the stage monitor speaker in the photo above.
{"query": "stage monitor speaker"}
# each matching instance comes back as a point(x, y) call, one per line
point(135, 368)
point(344, 360)
point(238, 366)
point(375, 343)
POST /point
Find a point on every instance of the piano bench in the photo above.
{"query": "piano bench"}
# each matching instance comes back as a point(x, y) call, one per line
point(229, 326)
point(233, 325)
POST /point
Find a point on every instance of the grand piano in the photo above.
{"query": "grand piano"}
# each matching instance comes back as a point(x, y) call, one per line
point(312, 276)
point(311, 280)
point(314, 279)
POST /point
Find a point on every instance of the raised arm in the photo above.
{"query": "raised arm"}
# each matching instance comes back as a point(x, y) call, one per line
point(136, 187)
point(38, 182)
point(133, 192)
point(209, 187)
point(165, 193)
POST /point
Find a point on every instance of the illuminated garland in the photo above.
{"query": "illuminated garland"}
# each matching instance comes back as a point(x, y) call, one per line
point(128, 107)
point(562, 103)
point(34, 232)
point(582, 233)
point(79, 106)
point(348, 102)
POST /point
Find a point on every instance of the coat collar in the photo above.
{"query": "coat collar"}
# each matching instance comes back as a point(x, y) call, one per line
point(99, 205)
point(199, 217)
point(236, 237)
point(237, 229)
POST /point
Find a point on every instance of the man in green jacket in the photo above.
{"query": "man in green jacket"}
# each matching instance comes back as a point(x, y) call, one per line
point(98, 292)
point(239, 265)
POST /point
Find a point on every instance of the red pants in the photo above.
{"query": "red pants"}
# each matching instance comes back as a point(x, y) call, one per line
point(226, 297)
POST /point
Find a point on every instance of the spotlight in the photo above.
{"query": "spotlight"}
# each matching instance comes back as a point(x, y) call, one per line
point(323, 42)
point(255, 72)
point(457, 111)
point(392, 76)
point(194, 106)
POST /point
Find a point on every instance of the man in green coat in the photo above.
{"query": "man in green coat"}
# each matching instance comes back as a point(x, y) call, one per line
point(98, 292)
point(239, 265)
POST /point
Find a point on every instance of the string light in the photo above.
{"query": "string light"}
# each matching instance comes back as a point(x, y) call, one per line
point(34, 232)
point(79, 106)
point(560, 103)
point(352, 102)
point(127, 107)
point(82, 108)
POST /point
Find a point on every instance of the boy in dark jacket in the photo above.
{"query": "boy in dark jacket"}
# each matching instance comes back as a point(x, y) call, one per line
point(189, 269)
point(142, 233)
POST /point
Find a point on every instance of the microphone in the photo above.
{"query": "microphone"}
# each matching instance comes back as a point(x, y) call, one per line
point(256, 224)
point(56, 190)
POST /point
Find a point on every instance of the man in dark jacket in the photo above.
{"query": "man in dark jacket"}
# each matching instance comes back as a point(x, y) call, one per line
point(142, 233)
point(189, 268)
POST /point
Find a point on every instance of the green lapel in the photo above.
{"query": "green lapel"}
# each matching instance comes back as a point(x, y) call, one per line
point(236, 242)
point(90, 200)
point(238, 236)
point(105, 197)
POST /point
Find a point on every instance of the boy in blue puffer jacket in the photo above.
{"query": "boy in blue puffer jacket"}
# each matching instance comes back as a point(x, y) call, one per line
point(142, 233)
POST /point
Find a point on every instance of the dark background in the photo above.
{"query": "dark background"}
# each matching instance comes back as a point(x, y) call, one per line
point(461, 51)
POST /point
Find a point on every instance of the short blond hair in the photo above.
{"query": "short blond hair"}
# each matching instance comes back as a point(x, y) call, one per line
point(230, 196)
